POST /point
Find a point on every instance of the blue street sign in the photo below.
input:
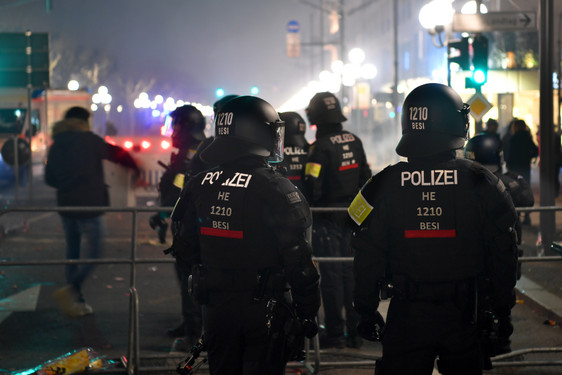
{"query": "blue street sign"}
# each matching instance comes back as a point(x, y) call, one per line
point(293, 26)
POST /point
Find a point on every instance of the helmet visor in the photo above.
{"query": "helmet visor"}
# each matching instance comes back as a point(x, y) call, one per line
point(276, 155)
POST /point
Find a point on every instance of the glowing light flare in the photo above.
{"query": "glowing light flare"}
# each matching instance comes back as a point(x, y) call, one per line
point(337, 66)
point(110, 140)
point(368, 71)
point(145, 144)
point(356, 55)
point(73, 85)
point(128, 144)
point(470, 8)
point(436, 13)
point(164, 144)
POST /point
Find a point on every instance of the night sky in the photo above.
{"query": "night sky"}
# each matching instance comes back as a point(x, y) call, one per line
point(190, 47)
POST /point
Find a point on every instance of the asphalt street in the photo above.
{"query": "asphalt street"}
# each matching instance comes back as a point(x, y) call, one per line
point(33, 330)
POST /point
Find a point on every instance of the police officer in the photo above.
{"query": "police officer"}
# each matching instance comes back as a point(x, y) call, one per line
point(295, 149)
point(336, 169)
point(188, 125)
point(439, 232)
point(486, 149)
point(243, 234)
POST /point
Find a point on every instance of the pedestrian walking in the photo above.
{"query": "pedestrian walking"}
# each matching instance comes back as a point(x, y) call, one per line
point(74, 168)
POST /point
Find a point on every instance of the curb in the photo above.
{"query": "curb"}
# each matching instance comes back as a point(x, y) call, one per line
point(535, 296)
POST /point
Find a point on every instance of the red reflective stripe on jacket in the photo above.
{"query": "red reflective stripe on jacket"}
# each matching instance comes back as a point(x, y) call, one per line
point(206, 231)
point(350, 166)
point(441, 233)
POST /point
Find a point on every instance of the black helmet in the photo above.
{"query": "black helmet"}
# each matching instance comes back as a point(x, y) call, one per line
point(187, 122)
point(245, 125)
point(222, 101)
point(485, 149)
point(295, 127)
point(324, 108)
point(434, 120)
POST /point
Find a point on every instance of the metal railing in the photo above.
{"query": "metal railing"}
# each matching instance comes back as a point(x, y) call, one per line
point(314, 364)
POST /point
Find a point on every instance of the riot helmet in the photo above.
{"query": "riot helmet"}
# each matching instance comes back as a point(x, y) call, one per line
point(485, 149)
point(295, 127)
point(324, 108)
point(434, 120)
point(222, 101)
point(187, 122)
point(246, 125)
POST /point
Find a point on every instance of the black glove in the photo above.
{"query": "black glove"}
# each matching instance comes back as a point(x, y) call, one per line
point(370, 327)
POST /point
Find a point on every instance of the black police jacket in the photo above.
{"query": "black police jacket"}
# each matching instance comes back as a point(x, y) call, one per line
point(246, 216)
point(294, 161)
point(336, 167)
point(519, 189)
point(182, 164)
point(430, 222)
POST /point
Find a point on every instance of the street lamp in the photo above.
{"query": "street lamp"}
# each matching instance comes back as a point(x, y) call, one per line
point(73, 85)
point(435, 16)
point(102, 97)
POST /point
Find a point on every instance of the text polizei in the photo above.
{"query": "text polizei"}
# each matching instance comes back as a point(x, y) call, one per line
point(239, 180)
point(434, 177)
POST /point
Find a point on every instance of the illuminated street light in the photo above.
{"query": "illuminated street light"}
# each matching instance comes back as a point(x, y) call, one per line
point(73, 85)
point(470, 8)
point(356, 55)
point(435, 16)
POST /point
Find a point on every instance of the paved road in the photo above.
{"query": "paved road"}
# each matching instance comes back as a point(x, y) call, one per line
point(32, 330)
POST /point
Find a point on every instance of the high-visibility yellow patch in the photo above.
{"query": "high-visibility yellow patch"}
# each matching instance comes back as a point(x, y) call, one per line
point(359, 209)
point(178, 180)
point(312, 169)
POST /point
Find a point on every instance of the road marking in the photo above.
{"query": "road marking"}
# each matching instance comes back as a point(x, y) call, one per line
point(25, 300)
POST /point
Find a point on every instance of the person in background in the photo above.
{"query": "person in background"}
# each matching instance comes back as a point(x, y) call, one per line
point(492, 127)
point(295, 149)
point(437, 234)
point(486, 150)
point(335, 170)
point(188, 125)
point(522, 150)
point(74, 168)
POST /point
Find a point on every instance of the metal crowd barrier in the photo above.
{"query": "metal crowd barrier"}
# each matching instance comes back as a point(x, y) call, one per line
point(312, 365)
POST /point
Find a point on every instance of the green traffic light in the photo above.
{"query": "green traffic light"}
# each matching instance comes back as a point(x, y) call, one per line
point(479, 76)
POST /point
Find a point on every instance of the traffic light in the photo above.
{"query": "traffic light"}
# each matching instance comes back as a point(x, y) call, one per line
point(219, 93)
point(479, 62)
point(457, 52)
